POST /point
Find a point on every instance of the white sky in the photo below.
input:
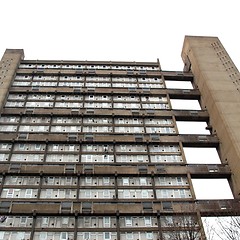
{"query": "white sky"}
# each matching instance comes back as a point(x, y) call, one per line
point(135, 30)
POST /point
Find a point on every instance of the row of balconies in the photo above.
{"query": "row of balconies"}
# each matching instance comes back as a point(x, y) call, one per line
point(106, 148)
point(79, 98)
point(77, 105)
point(98, 194)
point(89, 158)
point(85, 129)
point(80, 78)
point(95, 181)
point(88, 67)
point(97, 222)
point(86, 235)
point(148, 121)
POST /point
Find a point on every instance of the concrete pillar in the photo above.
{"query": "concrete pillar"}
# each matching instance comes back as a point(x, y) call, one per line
point(218, 80)
point(8, 66)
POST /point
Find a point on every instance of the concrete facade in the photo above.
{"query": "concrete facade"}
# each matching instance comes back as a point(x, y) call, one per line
point(218, 80)
point(92, 150)
point(8, 66)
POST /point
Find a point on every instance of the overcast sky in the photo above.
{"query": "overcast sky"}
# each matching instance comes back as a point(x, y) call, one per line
point(135, 30)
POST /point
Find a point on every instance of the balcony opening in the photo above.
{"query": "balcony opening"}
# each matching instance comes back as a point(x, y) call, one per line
point(201, 155)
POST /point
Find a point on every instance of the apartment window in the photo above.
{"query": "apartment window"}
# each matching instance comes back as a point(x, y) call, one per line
point(147, 221)
point(86, 235)
point(28, 193)
point(143, 181)
point(149, 235)
point(106, 180)
point(128, 221)
point(179, 181)
point(23, 221)
point(88, 180)
point(64, 236)
point(88, 194)
point(125, 181)
point(129, 236)
point(106, 194)
point(55, 147)
point(43, 236)
point(4, 146)
point(37, 147)
point(126, 193)
point(106, 221)
point(45, 221)
point(48, 193)
point(144, 193)
point(10, 193)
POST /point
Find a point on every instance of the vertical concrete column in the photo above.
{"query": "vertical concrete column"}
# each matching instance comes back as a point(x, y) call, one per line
point(8, 67)
point(218, 80)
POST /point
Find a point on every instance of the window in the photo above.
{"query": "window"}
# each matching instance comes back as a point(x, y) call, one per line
point(106, 194)
point(143, 181)
point(2, 235)
point(28, 193)
point(147, 221)
point(144, 194)
point(106, 180)
point(23, 221)
point(86, 235)
point(129, 236)
point(149, 235)
point(45, 221)
point(50, 180)
point(128, 221)
point(21, 146)
point(20, 235)
point(68, 180)
point(88, 193)
point(88, 180)
point(10, 193)
point(71, 148)
point(125, 181)
point(55, 147)
point(106, 221)
point(49, 193)
point(64, 236)
point(107, 235)
point(43, 236)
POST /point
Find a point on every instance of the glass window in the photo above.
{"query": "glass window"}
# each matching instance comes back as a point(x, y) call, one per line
point(125, 181)
point(106, 193)
point(147, 221)
point(28, 193)
point(88, 180)
point(128, 221)
point(45, 221)
point(43, 236)
point(149, 235)
point(107, 235)
point(106, 180)
point(144, 194)
point(129, 236)
point(143, 181)
point(106, 221)
point(64, 236)
point(86, 235)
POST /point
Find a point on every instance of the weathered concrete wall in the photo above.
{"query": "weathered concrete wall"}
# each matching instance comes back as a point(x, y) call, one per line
point(219, 83)
point(8, 66)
